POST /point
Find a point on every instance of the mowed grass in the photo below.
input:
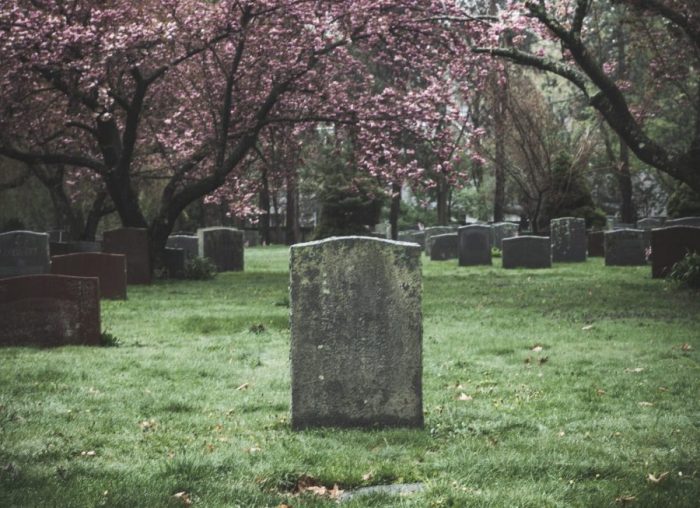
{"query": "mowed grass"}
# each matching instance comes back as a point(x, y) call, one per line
point(561, 387)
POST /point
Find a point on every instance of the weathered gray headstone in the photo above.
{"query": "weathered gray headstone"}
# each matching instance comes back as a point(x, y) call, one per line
point(23, 253)
point(683, 221)
point(568, 239)
point(475, 245)
point(188, 243)
point(133, 243)
point(434, 231)
point(49, 310)
point(413, 236)
point(526, 252)
point(502, 230)
point(624, 247)
point(223, 246)
point(669, 245)
point(356, 333)
point(444, 247)
point(624, 225)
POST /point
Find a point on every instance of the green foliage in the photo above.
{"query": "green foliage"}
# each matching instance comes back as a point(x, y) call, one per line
point(684, 202)
point(495, 252)
point(469, 201)
point(199, 268)
point(686, 272)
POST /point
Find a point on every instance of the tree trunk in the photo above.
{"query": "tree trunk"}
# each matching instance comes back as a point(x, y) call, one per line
point(628, 211)
point(395, 210)
point(443, 217)
point(292, 213)
point(264, 220)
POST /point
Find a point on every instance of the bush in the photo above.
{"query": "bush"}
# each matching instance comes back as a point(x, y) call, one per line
point(108, 339)
point(199, 268)
point(495, 252)
point(686, 272)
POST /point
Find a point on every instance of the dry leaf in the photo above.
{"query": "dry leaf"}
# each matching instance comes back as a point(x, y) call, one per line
point(253, 449)
point(600, 391)
point(646, 404)
point(183, 497)
point(636, 370)
point(587, 327)
point(244, 386)
point(91, 453)
point(657, 480)
point(527, 360)
point(685, 347)
point(283, 505)
point(465, 397)
point(623, 500)
point(367, 476)
point(536, 348)
point(562, 433)
point(148, 425)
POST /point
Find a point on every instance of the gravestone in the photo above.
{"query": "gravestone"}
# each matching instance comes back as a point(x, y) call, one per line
point(413, 236)
point(251, 237)
point(188, 243)
point(133, 243)
point(502, 230)
point(596, 243)
point(223, 246)
point(474, 245)
point(624, 247)
point(60, 248)
point(624, 225)
point(444, 247)
point(174, 262)
point(669, 245)
point(49, 310)
point(683, 221)
point(568, 240)
point(646, 225)
point(57, 235)
point(434, 231)
point(356, 327)
point(23, 253)
point(110, 269)
point(526, 252)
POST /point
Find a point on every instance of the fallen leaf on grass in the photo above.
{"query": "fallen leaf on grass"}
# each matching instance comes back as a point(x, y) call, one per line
point(543, 359)
point(536, 348)
point(253, 449)
point(148, 425)
point(244, 386)
point(367, 476)
point(685, 347)
point(657, 480)
point(600, 392)
point(587, 327)
point(636, 370)
point(465, 397)
point(645, 404)
point(183, 497)
point(623, 500)
point(307, 483)
point(90, 453)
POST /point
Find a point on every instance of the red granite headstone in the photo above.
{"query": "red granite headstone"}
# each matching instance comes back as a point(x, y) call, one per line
point(133, 242)
point(669, 245)
point(109, 268)
point(49, 310)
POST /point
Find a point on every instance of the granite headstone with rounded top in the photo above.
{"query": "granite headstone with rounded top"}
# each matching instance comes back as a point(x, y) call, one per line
point(501, 230)
point(669, 245)
point(434, 231)
point(526, 252)
point(188, 243)
point(133, 243)
point(444, 247)
point(223, 246)
point(23, 253)
point(110, 269)
point(474, 245)
point(356, 333)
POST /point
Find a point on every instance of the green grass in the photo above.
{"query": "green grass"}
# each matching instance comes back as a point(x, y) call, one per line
point(195, 398)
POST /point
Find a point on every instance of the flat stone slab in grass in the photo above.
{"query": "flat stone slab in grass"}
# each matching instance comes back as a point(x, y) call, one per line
point(356, 333)
point(444, 247)
point(526, 252)
point(223, 246)
point(669, 245)
point(568, 240)
point(49, 310)
point(397, 489)
point(475, 245)
point(110, 269)
point(624, 247)
point(23, 253)
point(596, 244)
point(133, 243)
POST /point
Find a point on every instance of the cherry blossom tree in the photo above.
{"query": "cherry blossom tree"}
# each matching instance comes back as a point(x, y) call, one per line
point(181, 91)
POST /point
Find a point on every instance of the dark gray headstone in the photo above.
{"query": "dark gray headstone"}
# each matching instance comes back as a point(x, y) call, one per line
point(683, 221)
point(624, 247)
point(356, 328)
point(57, 235)
point(444, 247)
point(49, 310)
point(23, 253)
point(223, 246)
point(568, 239)
point(669, 245)
point(501, 230)
point(596, 243)
point(133, 243)
point(413, 236)
point(61, 248)
point(434, 231)
point(110, 269)
point(475, 245)
point(526, 252)
point(188, 243)
point(174, 262)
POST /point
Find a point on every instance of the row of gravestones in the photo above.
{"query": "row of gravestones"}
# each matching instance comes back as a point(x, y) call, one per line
point(54, 300)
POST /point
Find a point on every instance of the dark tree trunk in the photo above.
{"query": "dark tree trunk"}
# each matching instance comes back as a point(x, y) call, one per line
point(264, 222)
point(443, 217)
point(395, 210)
point(628, 211)
point(292, 216)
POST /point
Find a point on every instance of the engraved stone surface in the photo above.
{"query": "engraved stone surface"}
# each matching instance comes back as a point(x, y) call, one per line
point(475, 245)
point(49, 310)
point(110, 269)
point(223, 246)
point(526, 252)
point(434, 231)
point(444, 247)
point(568, 240)
point(596, 243)
point(133, 243)
point(188, 243)
point(502, 230)
point(624, 247)
point(356, 333)
point(23, 253)
point(669, 245)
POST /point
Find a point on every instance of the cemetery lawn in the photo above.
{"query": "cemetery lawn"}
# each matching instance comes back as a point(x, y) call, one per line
point(575, 386)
